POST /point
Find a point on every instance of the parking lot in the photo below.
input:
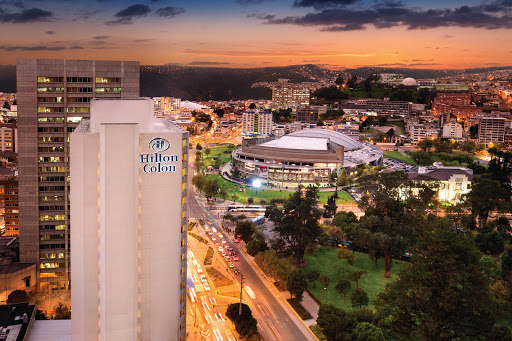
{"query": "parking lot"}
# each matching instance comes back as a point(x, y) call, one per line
point(396, 165)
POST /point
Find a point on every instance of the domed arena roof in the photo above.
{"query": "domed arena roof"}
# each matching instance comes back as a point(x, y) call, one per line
point(334, 136)
point(409, 82)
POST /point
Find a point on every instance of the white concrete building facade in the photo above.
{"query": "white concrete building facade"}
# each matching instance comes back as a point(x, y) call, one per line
point(129, 217)
point(452, 130)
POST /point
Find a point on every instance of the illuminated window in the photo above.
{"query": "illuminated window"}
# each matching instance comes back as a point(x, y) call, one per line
point(184, 158)
point(183, 214)
point(183, 200)
point(184, 143)
point(184, 171)
point(183, 186)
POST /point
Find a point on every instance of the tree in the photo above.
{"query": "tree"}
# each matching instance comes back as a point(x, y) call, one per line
point(393, 211)
point(490, 241)
point(486, 195)
point(312, 275)
point(256, 246)
point(352, 82)
point(207, 151)
point(342, 286)
point(324, 280)
point(343, 219)
point(246, 230)
point(277, 267)
point(211, 188)
point(296, 284)
point(219, 112)
point(336, 324)
point(343, 178)
point(451, 298)
point(339, 80)
point(245, 324)
point(296, 224)
point(359, 298)
point(356, 276)
point(330, 93)
point(199, 181)
point(331, 207)
point(199, 147)
point(506, 265)
point(250, 200)
point(500, 332)
point(367, 332)
point(18, 296)
point(343, 253)
point(252, 106)
point(62, 312)
point(6, 105)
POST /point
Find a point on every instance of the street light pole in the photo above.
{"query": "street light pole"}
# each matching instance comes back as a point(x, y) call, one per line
point(241, 286)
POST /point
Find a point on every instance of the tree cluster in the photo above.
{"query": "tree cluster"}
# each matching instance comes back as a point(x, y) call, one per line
point(245, 324)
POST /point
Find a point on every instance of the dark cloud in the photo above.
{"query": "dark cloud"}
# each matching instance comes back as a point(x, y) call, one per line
point(261, 16)
point(38, 48)
point(142, 40)
point(169, 11)
point(251, 2)
point(50, 32)
point(13, 3)
point(101, 37)
point(207, 63)
point(389, 15)
point(26, 16)
point(138, 10)
point(323, 3)
point(85, 15)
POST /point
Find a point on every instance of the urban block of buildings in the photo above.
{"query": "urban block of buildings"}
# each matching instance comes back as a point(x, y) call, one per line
point(257, 122)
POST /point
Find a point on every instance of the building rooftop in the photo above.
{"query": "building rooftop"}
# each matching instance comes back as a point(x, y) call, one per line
point(12, 320)
point(293, 142)
point(333, 136)
point(50, 330)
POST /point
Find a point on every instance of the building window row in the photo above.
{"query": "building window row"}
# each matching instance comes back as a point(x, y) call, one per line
point(52, 208)
point(42, 79)
point(51, 149)
point(108, 90)
point(51, 89)
point(53, 139)
point(50, 99)
point(51, 159)
point(51, 189)
point(50, 129)
point(87, 90)
point(51, 198)
point(52, 169)
point(51, 255)
point(108, 80)
point(50, 109)
point(51, 246)
point(50, 217)
point(51, 178)
point(78, 109)
point(52, 227)
point(51, 236)
point(79, 99)
point(79, 79)
point(51, 265)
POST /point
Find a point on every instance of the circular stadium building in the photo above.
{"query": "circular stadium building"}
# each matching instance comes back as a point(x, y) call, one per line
point(304, 157)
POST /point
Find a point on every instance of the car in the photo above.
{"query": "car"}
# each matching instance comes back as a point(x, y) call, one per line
point(199, 270)
point(227, 258)
point(201, 221)
point(224, 241)
point(231, 265)
point(221, 249)
point(206, 287)
point(235, 258)
point(232, 253)
point(203, 279)
point(230, 249)
point(223, 253)
point(237, 240)
point(237, 272)
point(220, 235)
point(214, 239)
point(214, 230)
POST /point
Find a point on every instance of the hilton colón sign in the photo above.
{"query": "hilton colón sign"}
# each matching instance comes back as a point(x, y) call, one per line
point(157, 162)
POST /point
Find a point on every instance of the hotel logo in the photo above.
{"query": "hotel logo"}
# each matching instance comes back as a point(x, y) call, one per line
point(159, 144)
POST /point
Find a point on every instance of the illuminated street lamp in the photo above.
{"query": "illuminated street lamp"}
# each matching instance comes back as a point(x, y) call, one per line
point(256, 184)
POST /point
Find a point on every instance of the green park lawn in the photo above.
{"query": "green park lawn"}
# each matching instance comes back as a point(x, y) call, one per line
point(326, 261)
point(222, 153)
point(266, 194)
point(399, 156)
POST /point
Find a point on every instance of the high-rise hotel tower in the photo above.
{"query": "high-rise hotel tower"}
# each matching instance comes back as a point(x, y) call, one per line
point(53, 97)
point(129, 224)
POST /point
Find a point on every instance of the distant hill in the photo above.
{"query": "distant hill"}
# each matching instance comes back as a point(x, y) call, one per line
point(217, 83)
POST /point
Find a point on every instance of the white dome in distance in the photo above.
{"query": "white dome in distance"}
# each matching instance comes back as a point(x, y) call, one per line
point(409, 82)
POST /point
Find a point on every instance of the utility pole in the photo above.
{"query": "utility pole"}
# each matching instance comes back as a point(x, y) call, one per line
point(241, 286)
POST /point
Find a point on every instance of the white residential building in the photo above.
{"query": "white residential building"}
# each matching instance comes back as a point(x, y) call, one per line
point(129, 218)
point(452, 130)
point(257, 122)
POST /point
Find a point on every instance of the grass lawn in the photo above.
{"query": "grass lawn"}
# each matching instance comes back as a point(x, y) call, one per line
point(325, 261)
point(399, 156)
point(399, 124)
point(218, 278)
point(267, 194)
point(222, 153)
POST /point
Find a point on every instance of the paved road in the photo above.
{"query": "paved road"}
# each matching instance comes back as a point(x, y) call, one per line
point(275, 318)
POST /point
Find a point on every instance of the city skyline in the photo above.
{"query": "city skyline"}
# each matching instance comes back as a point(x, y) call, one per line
point(257, 33)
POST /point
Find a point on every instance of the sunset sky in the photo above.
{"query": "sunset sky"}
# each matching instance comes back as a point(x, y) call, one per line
point(254, 33)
